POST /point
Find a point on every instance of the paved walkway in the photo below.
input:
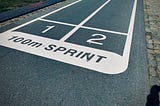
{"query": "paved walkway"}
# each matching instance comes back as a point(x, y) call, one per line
point(152, 33)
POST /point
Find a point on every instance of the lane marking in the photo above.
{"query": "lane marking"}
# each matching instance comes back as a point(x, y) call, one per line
point(48, 28)
point(83, 22)
point(43, 16)
point(60, 9)
point(85, 27)
point(57, 22)
point(104, 30)
point(130, 31)
point(127, 47)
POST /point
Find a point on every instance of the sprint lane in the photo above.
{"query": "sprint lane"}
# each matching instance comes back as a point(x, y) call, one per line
point(96, 59)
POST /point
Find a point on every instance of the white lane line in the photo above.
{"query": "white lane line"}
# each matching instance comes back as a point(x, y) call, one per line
point(60, 9)
point(103, 30)
point(43, 16)
point(83, 22)
point(127, 47)
point(85, 27)
point(57, 22)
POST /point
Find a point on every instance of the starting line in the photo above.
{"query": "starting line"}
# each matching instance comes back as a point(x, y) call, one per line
point(93, 54)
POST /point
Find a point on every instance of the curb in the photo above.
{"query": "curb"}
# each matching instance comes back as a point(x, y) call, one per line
point(4, 16)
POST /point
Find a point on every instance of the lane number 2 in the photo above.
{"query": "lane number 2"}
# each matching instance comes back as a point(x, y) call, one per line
point(97, 38)
point(48, 28)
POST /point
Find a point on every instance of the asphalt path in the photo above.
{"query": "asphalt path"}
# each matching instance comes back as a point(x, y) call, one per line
point(85, 53)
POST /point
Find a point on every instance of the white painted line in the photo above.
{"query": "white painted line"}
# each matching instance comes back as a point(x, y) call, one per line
point(57, 22)
point(85, 27)
point(103, 30)
point(60, 9)
point(127, 47)
point(43, 16)
point(83, 22)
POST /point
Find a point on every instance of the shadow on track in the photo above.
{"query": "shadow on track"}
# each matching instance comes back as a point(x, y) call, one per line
point(153, 97)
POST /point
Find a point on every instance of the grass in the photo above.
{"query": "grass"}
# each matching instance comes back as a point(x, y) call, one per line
point(6, 5)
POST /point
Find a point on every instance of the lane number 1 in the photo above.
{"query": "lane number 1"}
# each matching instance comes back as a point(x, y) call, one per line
point(97, 38)
point(48, 28)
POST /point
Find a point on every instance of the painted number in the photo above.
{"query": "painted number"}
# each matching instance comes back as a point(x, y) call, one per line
point(48, 28)
point(96, 39)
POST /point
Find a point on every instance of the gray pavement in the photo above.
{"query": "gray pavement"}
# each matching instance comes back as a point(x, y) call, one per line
point(152, 32)
point(31, 80)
